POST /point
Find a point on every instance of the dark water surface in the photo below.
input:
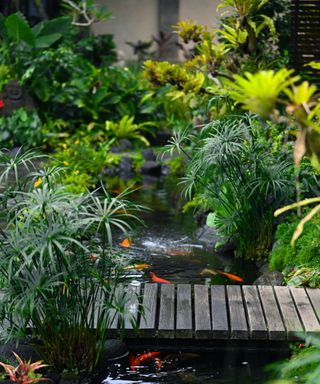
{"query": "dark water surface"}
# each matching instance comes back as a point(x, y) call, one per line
point(227, 366)
point(169, 244)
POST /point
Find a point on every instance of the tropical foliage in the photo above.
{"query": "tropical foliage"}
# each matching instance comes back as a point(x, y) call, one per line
point(242, 124)
point(303, 366)
point(232, 175)
point(59, 269)
point(74, 88)
point(24, 373)
point(305, 252)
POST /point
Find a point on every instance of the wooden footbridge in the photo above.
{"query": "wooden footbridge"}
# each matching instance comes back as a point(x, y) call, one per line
point(185, 311)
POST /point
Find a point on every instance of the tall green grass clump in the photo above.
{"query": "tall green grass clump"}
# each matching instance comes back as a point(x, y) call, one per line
point(58, 267)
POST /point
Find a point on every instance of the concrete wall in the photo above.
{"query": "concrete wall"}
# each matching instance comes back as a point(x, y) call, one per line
point(132, 20)
point(201, 11)
point(135, 20)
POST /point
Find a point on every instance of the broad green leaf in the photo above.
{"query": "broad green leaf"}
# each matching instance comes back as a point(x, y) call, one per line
point(47, 40)
point(270, 24)
point(211, 220)
point(61, 25)
point(19, 30)
point(43, 90)
point(242, 36)
point(253, 25)
point(313, 64)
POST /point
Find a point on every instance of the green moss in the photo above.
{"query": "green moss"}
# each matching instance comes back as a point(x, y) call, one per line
point(306, 250)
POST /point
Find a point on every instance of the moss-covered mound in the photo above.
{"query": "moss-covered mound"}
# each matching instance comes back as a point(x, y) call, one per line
point(306, 250)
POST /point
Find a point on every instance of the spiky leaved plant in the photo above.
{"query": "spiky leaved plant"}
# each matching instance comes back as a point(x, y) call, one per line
point(59, 269)
point(238, 179)
point(24, 372)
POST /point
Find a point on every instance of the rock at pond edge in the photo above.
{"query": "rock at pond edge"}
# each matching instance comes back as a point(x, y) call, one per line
point(113, 349)
point(151, 168)
point(270, 278)
point(209, 237)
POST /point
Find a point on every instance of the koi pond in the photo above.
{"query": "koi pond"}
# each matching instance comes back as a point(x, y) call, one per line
point(168, 242)
point(168, 247)
point(227, 366)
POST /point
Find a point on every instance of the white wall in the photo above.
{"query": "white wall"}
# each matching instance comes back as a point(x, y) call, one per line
point(135, 20)
point(132, 20)
point(201, 11)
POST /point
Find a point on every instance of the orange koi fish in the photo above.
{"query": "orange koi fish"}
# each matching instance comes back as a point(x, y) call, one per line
point(137, 360)
point(157, 279)
point(126, 243)
point(232, 276)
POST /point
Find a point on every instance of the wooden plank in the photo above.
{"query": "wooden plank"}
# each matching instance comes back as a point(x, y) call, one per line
point(276, 329)
point(256, 321)
point(132, 309)
point(288, 311)
point(148, 319)
point(202, 312)
point(220, 326)
point(184, 312)
point(238, 322)
point(314, 296)
point(166, 311)
point(305, 310)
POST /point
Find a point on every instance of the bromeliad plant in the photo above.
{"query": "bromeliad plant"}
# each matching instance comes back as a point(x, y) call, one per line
point(24, 372)
point(59, 268)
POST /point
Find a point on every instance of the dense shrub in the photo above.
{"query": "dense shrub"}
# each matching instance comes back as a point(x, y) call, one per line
point(306, 250)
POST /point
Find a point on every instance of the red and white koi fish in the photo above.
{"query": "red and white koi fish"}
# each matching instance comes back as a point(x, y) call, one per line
point(139, 359)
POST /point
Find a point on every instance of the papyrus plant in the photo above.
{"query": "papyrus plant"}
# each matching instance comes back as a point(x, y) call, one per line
point(58, 267)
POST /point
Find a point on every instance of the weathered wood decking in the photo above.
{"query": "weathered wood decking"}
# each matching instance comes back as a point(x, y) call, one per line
point(184, 311)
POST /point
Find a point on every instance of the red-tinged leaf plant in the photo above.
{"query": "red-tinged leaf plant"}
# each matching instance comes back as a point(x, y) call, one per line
point(24, 372)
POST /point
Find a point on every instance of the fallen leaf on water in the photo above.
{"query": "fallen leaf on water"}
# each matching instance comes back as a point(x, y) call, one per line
point(126, 243)
point(208, 271)
point(138, 267)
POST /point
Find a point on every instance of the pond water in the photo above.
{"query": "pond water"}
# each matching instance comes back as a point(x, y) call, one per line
point(228, 366)
point(168, 242)
point(169, 245)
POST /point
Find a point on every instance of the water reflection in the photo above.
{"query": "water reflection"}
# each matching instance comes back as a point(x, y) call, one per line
point(169, 244)
point(225, 366)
